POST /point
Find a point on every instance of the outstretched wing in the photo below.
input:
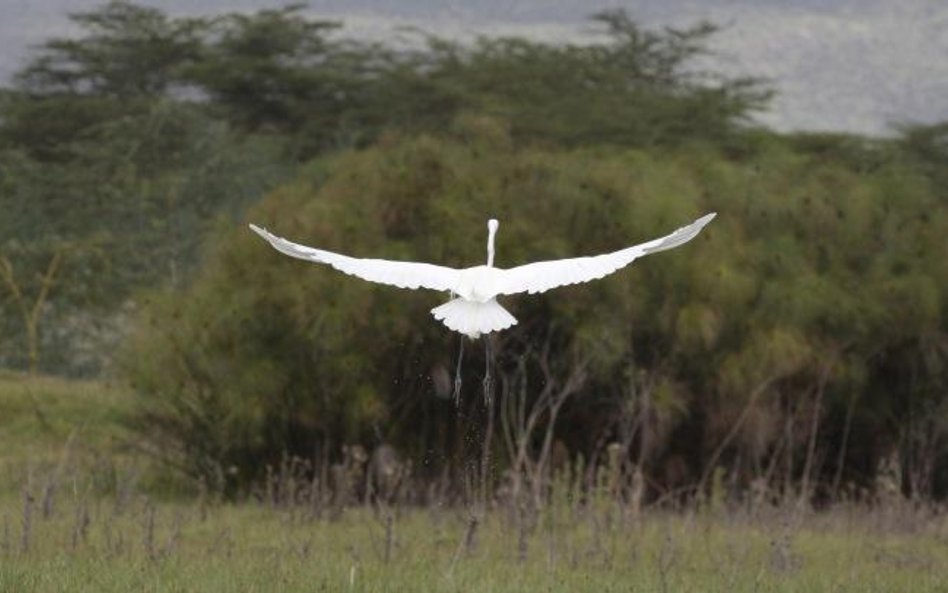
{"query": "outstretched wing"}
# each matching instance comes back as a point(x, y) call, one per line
point(542, 276)
point(402, 274)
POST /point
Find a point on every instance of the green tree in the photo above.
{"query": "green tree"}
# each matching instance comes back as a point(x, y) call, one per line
point(127, 208)
point(279, 71)
point(127, 57)
point(927, 146)
point(807, 294)
point(127, 51)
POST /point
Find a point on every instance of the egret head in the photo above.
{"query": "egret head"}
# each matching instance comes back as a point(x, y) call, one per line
point(492, 225)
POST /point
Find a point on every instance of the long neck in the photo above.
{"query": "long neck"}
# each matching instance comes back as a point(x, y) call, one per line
point(491, 231)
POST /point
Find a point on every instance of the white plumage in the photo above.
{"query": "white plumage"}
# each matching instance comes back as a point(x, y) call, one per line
point(476, 311)
point(473, 318)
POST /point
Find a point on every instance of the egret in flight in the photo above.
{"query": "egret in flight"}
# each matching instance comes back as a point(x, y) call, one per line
point(474, 310)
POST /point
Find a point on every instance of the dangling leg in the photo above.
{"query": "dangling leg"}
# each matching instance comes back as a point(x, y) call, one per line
point(457, 376)
point(488, 381)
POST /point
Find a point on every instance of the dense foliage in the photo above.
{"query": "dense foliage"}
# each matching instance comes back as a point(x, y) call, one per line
point(798, 317)
point(123, 207)
point(126, 142)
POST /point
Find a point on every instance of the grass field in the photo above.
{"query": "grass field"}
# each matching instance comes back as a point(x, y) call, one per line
point(40, 415)
point(63, 527)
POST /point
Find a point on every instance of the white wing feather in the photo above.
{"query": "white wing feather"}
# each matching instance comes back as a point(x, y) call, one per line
point(395, 273)
point(542, 276)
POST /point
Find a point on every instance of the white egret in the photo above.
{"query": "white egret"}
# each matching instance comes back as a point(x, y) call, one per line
point(474, 310)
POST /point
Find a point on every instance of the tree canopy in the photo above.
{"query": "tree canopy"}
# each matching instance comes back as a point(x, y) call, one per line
point(126, 142)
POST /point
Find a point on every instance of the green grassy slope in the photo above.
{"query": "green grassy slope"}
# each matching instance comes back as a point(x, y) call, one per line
point(57, 425)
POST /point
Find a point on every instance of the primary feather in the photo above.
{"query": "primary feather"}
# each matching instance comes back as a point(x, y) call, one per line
point(476, 311)
point(542, 276)
point(394, 273)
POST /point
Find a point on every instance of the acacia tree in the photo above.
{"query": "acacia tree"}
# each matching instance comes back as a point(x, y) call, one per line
point(125, 58)
point(127, 209)
point(126, 51)
point(633, 86)
point(281, 72)
point(31, 307)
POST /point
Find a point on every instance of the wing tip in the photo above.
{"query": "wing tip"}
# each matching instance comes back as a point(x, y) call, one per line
point(706, 218)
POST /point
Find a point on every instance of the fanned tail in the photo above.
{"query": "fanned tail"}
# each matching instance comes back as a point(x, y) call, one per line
point(472, 318)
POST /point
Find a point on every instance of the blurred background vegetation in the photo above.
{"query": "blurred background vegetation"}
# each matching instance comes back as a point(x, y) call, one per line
point(801, 342)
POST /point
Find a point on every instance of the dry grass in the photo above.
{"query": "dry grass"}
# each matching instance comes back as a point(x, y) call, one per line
point(75, 517)
point(95, 544)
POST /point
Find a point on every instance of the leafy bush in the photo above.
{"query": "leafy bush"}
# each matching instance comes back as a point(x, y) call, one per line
point(811, 288)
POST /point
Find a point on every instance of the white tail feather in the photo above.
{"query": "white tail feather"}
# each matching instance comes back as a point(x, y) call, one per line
point(472, 318)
